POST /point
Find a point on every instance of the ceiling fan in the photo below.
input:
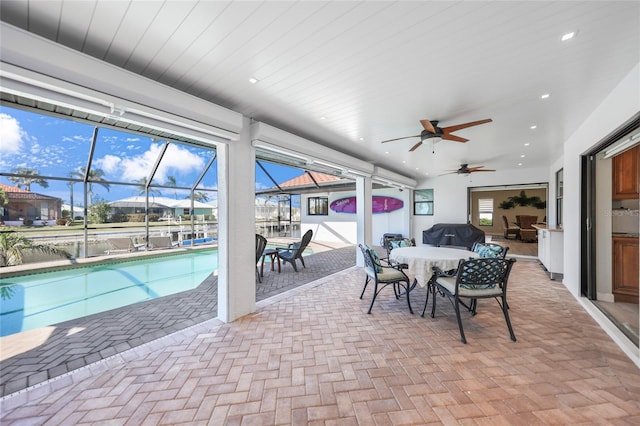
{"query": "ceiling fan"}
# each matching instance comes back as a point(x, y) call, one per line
point(465, 170)
point(431, 130)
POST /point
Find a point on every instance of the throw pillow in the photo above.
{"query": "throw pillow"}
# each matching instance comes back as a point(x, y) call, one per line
point(376, 260)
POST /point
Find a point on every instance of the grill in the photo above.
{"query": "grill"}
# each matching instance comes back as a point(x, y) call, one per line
point(453, 234)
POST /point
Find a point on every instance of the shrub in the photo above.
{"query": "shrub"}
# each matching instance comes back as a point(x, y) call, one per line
point(136, 217)
point(119, 217)
point(27, 222)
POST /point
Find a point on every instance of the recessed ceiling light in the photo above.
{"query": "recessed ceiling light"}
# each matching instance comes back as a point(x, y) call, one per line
point(533, 127)
point(361, 139)
point(545, 96)
point(386, 152)
point(519, 164)
point(427, 173)
point(521, 155)
point(527, 144)
point(417, 168)
point(253, 80)
point(404, 162)
point(568, 36)
point(323, 118)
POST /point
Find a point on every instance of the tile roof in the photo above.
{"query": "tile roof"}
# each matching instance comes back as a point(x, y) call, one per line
point(15, 193)
point(9, 188)
point(305, 180)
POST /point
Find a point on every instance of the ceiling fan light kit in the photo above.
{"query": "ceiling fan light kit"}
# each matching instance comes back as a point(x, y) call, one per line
point(466, 170)
point(435, 134)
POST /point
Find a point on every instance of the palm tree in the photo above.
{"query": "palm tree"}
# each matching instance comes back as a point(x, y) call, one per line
point(70, 185)
point(200, 196)
point(172, 182)
point(13, 244)
point(141, 191)
point(95, 175)
point(4, 200)
point(28, 177)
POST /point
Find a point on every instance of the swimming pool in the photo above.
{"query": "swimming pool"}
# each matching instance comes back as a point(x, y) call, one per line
point(38, 300)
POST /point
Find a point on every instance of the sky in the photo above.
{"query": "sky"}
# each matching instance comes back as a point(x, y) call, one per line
point(59, 147)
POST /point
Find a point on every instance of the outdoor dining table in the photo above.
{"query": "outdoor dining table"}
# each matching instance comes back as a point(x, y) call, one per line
point(421, 260)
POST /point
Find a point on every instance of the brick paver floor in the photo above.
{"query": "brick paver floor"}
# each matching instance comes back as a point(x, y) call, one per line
point(77, 343)
point(312, 355)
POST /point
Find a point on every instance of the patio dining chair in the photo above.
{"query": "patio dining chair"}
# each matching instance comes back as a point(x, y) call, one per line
point(382, 276)
point(487, 250)
point(394, 243)
point(261, 244)
point(295, 250)
point(490, 250)
point(480, 278)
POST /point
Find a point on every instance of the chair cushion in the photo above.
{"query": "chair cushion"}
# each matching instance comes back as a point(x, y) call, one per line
point(449, 283)
point(391, 275)
point(487, 251)
point(405, 242)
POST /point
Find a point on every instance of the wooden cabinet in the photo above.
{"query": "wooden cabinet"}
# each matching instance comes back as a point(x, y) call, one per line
point(625, 174)
point(625, 269)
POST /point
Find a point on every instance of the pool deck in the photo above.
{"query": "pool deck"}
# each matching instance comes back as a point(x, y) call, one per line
point(35, 356)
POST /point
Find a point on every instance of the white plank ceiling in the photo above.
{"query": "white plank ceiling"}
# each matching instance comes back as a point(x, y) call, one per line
point(350, 74)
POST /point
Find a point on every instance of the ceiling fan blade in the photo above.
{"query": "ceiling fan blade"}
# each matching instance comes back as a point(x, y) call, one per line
point(413, 148)
point(454, 138)
point(449, 173)
point(397, 139)
point(450, 129)
point(482, 170)
point(428, 126)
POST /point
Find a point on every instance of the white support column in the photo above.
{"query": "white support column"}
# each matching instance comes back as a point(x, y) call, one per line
point(364, 210)
point(236, 233)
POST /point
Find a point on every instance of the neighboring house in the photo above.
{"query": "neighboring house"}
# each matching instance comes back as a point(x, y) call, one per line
point(29, 205)
point(78, 211)
point(162, 206)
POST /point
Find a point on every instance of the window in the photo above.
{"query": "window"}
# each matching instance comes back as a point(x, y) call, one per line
point(559, 191)
point(423, 202)
point(485, 210)
point(318, 206)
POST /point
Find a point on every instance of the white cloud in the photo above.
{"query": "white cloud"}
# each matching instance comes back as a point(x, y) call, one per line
point(109, 164)
point(176, 161)
point(11, 134)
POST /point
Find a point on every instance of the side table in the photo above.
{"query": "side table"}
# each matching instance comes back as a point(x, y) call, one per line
point(273, 257)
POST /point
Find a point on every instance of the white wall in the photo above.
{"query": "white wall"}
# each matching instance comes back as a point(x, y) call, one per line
point(342, 227)
point(450, 194)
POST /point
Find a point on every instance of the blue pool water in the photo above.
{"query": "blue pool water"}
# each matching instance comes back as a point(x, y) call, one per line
point(198, 241)
point(38, 300)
